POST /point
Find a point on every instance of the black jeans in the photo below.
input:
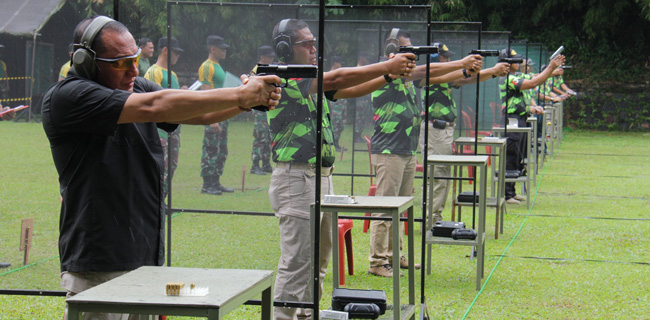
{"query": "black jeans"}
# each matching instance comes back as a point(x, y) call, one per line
point(517, 150)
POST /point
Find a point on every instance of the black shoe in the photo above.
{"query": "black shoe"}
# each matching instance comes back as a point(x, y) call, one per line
point(211, 190)
point(267, 168)
point(258, 170)
point(5, 265)
point(221, 188)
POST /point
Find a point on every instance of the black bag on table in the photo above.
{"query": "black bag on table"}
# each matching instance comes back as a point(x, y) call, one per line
point(445, 228)
point(512, 174)
point(341, 297)
point(468, 196)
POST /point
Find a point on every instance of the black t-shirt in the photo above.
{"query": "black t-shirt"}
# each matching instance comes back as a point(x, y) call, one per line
point(109, 175)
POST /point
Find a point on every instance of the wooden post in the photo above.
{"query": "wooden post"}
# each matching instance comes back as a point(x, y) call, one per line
point(243, 177)
point(26, 231)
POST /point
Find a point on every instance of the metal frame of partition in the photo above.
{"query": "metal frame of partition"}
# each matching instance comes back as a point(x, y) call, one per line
point(317, 202)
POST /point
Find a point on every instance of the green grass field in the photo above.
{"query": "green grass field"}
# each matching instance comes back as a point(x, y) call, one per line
point(580, 252)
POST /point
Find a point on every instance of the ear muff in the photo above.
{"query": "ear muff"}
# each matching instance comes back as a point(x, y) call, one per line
point(392, 45)
point(283, 47)
point(83, 58)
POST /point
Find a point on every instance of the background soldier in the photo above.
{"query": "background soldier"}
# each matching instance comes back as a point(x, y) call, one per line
point(63, 72)
point(215, 139)
point(261, 132)
point(146, 45)
point(158, 74)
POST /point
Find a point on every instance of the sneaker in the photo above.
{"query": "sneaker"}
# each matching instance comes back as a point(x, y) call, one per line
point(382, 271)
point(519, 198)
point(404, 264)
point(512, 201)
point(5, 265)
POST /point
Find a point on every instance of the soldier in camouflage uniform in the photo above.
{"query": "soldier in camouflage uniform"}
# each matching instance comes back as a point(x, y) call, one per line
point(512, 96)
point(261, 132)
point(158, 73)
point(215, 139)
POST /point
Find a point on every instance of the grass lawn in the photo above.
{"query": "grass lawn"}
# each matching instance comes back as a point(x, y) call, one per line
point(581, 251)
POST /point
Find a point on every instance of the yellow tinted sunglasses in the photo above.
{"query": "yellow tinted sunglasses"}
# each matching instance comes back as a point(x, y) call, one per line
point(123, 63)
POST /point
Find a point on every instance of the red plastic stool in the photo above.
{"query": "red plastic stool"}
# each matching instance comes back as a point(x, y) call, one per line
point(345, 239)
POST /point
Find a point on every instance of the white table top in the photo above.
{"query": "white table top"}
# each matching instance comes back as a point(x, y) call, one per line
point(481, 141)
point(366, 202)
point(146, 286)
point(457, 160)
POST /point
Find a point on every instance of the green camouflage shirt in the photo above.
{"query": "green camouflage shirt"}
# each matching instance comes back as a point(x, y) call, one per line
point(515, 97)
point(293, 126)
point(441, 103)
point(397, 119)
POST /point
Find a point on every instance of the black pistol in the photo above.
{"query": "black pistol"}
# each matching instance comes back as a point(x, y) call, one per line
point(512, 60)
point(286, 72)
point(418, 50)
point(485, 53)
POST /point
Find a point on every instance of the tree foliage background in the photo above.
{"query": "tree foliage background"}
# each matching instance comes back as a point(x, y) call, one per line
point(605, 40)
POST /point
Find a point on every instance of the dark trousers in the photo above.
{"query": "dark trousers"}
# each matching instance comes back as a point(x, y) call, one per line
point(517, 150)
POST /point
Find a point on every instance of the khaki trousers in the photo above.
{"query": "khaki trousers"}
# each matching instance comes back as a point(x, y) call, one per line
point(76, 282)
point(440, 143)
point(395, 174)
point(292, 192)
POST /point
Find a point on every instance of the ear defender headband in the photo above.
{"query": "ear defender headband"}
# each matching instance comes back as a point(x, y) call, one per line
point(83, 58)
point(283, 46)
point(392, 46)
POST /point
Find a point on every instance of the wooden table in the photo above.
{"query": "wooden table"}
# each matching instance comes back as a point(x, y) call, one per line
point(142, 291)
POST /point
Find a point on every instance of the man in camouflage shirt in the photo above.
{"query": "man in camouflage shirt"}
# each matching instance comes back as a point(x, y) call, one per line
point(395, 141)
point(293, 129)
point(512, 99)
point(442, 117)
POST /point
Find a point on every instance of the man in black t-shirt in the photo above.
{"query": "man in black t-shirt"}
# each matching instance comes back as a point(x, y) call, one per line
point(101, 123)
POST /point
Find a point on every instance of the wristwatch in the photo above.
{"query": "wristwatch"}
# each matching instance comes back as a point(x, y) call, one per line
point(465, 74)
point(388, 79)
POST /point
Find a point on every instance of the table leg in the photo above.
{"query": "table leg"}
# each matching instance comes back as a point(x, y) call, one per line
point(267, 303)
point(396, 256)
point(73, 312)
point(213, 314)
point(335, 249)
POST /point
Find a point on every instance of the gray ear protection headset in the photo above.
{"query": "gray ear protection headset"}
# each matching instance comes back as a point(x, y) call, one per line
point(283, 46)
point(392, 46)
point(83, 58)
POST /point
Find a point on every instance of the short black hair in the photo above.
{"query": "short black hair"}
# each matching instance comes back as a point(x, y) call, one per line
point(143, 42)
